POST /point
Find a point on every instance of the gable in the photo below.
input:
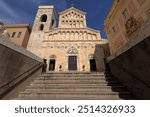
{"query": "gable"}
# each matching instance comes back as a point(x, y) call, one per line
point(72, 13)
point(73, 9)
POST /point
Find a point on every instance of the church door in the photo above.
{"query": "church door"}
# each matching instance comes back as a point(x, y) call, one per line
point(72, 63)
point(52, 65)
point(92, 65)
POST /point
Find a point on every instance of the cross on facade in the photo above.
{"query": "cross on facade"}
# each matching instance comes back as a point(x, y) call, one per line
point(72, 5)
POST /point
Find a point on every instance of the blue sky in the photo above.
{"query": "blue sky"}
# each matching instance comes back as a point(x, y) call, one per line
point(24, 11)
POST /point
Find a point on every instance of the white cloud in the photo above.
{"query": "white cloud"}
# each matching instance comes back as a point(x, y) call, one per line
point(10, 15)
point(59, 4)
point(8, 21)
point(7, 10)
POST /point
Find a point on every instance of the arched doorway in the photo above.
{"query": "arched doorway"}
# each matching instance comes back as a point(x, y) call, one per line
point(92, 63)
point(72, 63)
point(72, 59)
point(52, 63)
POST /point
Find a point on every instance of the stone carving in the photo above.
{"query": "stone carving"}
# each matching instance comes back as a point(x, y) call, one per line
point(131, 26)
point(53, 56)
point(62, 45)
point(72, 50)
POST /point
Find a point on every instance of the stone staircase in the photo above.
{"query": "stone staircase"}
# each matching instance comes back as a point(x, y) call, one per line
point(75, 85)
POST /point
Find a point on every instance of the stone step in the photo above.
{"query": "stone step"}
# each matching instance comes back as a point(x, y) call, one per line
point(75, 78)
point(73, 93)
point(82, 79)
point(74, 87)
point(73, 81)
point(76, 97)
point(59, 96)
point(71, 78)
point(72, 75)
point(73, 84)
point(105, 89)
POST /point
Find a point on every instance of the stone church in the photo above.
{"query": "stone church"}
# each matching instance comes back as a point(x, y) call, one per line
point(70, 46)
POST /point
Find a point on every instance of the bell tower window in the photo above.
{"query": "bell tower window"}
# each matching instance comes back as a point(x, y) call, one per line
point(43, 18)
point(41, 27)
point(53, 22)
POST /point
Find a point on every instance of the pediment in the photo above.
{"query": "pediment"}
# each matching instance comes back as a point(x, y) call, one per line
point(72, 9)
point(72, 12)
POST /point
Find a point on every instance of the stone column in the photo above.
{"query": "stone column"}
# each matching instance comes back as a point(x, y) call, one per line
point(76, 35)
point(89, 36)
point(63, 36)
point(84, 36)
point(78, 24)
point(71, 36)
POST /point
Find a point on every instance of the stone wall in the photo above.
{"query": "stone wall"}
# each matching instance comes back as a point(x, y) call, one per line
point(15, 62)
point(132, 67)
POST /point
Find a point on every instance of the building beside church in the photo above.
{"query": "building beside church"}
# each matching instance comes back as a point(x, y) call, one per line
point(124, 21)
point(19, 33)
point(71, 46)
point(128, 30)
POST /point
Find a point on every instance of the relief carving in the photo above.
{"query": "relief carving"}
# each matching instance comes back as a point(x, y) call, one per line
point(72, 50)
point(131, 26)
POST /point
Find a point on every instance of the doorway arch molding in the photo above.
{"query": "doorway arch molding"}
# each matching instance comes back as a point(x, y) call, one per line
point(72, 50)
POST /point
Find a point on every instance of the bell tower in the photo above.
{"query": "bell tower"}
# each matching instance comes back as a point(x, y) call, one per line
point(45, 20)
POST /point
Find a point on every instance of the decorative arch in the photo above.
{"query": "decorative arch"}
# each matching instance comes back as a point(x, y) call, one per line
point(62, 45)
point(53, 56)
point(43, 18)
point(72, 50)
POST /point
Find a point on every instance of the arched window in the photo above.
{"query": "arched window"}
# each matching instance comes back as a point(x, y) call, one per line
point(43, 18)
point(41, 27)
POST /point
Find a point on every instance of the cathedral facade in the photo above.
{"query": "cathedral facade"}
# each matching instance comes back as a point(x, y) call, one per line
point(71, 46)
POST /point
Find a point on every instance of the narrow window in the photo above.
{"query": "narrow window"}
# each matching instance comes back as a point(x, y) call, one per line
point(125, 14)
point(19, 34)
point(43, 18)
point(114, 29)
point(13, 34)
point(41, 27)
point(52, 22)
